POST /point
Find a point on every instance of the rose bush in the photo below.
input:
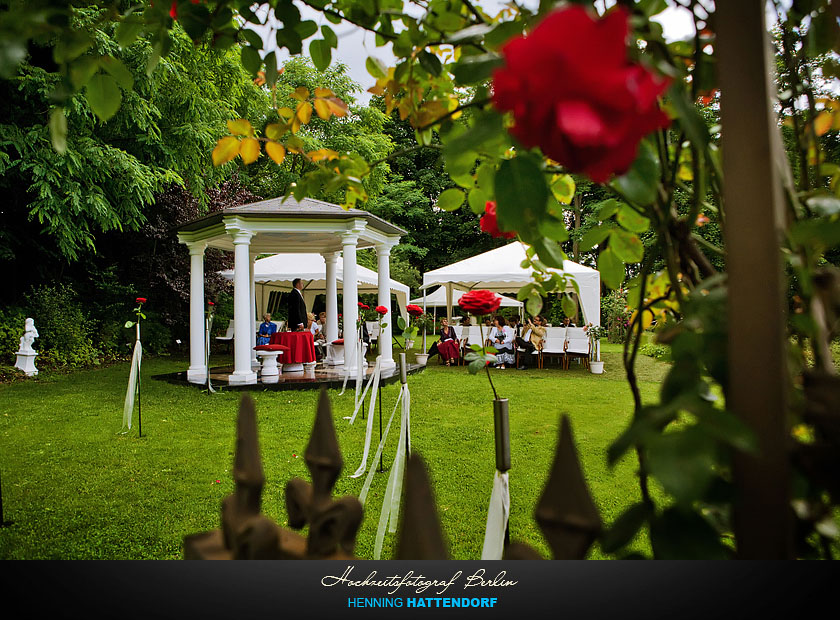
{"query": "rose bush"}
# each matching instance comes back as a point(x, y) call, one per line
point(574, 93)
point(480, 302)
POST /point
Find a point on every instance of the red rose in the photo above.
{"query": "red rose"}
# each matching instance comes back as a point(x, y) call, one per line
point(480, 302)
point(173, 10)
point(210, 303)
point(490, 225)
point(382, 310)
point(574, 94)
point(414, 310)
point(363, 306)
point(140, 300)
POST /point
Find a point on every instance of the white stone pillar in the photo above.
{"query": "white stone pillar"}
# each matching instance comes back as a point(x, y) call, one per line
point(331, 260)
point(243, 315)
point(386, 351)
point(255, 363)
point(350, 291)
point(197, 372)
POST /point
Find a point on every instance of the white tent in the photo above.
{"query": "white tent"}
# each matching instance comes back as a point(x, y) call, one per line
point(437, 299)
point(499, 270)
point(276, 273)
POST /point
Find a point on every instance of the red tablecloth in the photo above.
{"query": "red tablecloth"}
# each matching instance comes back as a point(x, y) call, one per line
point(301, 346)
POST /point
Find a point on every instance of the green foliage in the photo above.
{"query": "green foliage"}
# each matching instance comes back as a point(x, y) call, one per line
point(656, 351)
point(12, 324)
point(65, 331)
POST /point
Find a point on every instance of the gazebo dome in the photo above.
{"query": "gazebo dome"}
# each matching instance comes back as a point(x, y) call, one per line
point(285, 225)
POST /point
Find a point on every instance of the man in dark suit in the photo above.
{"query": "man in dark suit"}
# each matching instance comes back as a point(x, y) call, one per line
point(296, 307)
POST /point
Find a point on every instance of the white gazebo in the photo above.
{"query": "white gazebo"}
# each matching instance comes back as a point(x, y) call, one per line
point(499, 270)
point(277, 272)
point(287, 226)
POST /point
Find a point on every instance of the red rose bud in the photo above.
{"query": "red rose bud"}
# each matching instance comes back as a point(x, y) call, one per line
point(173, 10)
point(382, 310)
point(489, 223)
point(480, 302)
point(574, 93)
point(414, 310)
point(140, 300)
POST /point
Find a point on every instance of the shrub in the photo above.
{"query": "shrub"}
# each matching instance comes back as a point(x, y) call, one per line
point(65, 332)
point(615, 315)
point(12, 321)
point(656, 351)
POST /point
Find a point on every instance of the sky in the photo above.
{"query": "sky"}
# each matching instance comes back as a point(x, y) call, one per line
point(355, 44)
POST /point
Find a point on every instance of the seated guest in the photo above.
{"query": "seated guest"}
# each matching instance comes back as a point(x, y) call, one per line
point(465, 322)
point(317, 335)
point(515, 326)
point(530, 340)
point(501, 337)
point(447, 346)
point(567, 322)
point(267, 328)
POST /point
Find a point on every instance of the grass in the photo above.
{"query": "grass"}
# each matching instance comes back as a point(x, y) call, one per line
point(76, 489)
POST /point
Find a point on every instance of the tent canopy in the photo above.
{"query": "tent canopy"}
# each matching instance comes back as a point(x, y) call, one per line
point(437, 299)
point(277, 272)
point(499, 270)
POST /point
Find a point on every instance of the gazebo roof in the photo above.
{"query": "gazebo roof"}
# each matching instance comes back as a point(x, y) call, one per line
point(289, 225)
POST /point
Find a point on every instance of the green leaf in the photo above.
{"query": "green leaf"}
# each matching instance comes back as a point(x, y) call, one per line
point(486, 127)
point(450, 199)
point(477, 200)
point(58, 130)
point(553, 229)
point(563, 188)
point(685, 535)
point(630, 219)
point(611, 268)
point(683, 462)
point(627, 246)
point(594, 236)
point(82, 69)
point(71, 45)
point(606, 209)
point(639, 185)
point(503, 33)
point(321, 54)
point(252, 37)
point(329, 36)
point(569, 305)
point(475, 366)
point(306, 29)
point(520, 190)
point(117, 70)
point(376, 67)
point(194, 19)
point(430, 62)
point(474, 69)
point(290, 39)
point(689, 115)
point(625, 528)
point(128, 324)
point(251, 60)
point(103, 96)
point(128, 31)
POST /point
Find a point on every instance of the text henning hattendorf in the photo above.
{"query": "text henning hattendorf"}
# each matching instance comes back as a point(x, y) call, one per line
point(420, 582)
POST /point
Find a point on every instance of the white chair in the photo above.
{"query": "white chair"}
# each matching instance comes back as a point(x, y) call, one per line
point(577, 346)
point(554, 345)
point(228, 337)
point(373, 332)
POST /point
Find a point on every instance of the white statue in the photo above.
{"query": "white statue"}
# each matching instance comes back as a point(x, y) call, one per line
point(29, 336)
point(26, 354)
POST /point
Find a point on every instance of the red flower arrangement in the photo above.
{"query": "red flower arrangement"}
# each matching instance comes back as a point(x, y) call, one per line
point(574, 93)
point(414, 310)
point(382, 310)
point(490, 225)
point(480, 302)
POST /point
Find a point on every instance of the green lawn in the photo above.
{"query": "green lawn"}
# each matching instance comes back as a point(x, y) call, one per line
point(77, 489)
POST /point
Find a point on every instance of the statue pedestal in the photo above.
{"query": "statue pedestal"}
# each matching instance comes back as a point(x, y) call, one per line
point(26, 363)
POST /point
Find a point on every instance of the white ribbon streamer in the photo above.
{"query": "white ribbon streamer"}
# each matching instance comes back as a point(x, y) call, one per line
point(497, 518)
point(369, 431)
point(133, 379)
point(372, 471)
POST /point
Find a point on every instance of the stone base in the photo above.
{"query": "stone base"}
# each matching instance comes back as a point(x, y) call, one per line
point(197, 375)
point(246, 378)
point(26, 363)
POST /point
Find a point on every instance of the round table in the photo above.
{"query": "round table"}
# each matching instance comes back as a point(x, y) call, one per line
point(301, 349)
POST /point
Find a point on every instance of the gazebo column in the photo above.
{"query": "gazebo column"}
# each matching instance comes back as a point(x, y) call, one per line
point(331, 260)
point(350, 291)
point(197, 372)
point(255, 363)
point(383, 254)
point(243, 313)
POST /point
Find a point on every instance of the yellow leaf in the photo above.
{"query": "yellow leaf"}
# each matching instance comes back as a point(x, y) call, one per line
point(226, 149)
point(276, 151)
point(285, 113)
point(376, 90)
point(337, 106)
point(304, 112)
point(647, 318)
point(240, 127)
point(823, 122)
point(301, 93)
point(323, 93)
point(323, 108)
point(322, 154)
point(249, 150)
point(275, 131)
point(295, 124)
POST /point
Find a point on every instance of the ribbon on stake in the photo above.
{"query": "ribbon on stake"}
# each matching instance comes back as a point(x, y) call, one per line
point(133, 383)
point(498, 513)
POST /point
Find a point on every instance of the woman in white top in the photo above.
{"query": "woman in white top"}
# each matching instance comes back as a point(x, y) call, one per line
point(501, 337)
